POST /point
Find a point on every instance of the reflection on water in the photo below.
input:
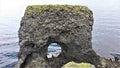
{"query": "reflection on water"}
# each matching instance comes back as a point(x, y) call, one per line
point(106, 30)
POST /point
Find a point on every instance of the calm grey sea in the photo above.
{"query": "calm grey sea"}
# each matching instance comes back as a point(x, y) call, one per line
point(105, 36)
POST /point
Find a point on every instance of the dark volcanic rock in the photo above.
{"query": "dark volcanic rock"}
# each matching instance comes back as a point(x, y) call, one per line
point(69, 26)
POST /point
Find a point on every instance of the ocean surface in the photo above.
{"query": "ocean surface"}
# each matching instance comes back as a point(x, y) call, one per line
point(105, 35)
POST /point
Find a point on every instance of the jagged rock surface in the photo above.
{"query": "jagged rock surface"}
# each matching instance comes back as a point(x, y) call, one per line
point(69, 26)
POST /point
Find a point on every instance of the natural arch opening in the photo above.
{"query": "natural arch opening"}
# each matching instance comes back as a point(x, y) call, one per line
point(54, 50)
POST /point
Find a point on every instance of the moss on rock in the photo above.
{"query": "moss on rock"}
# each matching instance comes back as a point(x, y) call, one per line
point(77, 65)
point(40, 8)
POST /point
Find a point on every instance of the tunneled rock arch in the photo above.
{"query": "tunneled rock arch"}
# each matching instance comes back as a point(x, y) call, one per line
point(71, 53)
point(54, 50)
point(69, 26)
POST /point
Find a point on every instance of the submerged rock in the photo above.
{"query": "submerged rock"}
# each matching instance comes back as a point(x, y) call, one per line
point(69, 26)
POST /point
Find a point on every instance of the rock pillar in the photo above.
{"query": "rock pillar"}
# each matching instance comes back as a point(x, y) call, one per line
point(69, 26)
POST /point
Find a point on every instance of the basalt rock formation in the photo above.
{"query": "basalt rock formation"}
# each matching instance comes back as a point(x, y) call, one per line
point(68, 26)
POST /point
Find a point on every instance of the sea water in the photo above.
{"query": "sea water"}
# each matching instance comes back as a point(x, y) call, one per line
point(105, 35)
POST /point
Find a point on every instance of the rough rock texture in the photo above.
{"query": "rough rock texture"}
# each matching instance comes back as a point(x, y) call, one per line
point(106, 63)
point(69, 26)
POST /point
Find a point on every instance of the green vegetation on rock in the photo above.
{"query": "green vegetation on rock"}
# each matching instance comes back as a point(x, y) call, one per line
point(40, 8)
point(77, 65)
